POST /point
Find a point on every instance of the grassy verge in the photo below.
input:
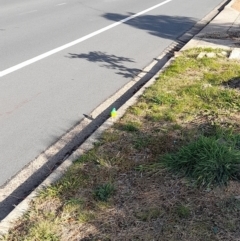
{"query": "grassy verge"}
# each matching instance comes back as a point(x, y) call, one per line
point(168, 170)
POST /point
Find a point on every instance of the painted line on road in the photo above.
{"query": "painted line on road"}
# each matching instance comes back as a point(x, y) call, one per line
point(56, 50)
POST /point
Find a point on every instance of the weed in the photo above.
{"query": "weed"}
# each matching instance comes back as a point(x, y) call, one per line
point(52, 191)
point(176, 127)
point(231, 225)
point(109, 136)
point(183, 211)
point(70, 183)
point(86, 216)
point(104, 192)
point(86, 157)
point(148, 214)
point(131, 127)
point(169, 117)
point(230, 204)
point(136, 111)
point(98, 143)
point(74, 202)
point(141, 141)
point(43, 231)
point(207, 160)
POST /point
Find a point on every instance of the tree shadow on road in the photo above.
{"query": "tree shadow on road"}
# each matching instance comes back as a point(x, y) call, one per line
point(109, 61)
point(168, 27)
point(173, 27)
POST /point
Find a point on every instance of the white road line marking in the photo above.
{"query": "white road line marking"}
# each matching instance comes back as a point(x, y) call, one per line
point(56, 50)
point(60, 4)
point(28, 12)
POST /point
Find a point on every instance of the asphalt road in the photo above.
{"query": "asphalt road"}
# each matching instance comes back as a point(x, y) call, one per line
point(48, 81)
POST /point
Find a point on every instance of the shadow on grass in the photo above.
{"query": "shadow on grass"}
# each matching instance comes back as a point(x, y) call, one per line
point(148, 202)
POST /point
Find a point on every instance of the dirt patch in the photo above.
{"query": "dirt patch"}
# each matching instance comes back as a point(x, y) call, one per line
point(236, 5)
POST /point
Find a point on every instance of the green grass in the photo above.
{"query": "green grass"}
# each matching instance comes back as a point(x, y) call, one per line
point(131, 126)
point(207, 160)
point(86, 216)
point(104, 192)
point(177, 95)
point(43, 231)
point(148, 214)
point(141, 141)
point(183, 211)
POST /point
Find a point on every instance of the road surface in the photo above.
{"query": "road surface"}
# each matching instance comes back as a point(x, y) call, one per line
point(60, 59)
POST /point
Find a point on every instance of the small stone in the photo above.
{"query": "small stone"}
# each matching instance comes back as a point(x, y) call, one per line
point(211, 55)
point(237, 197)
point(235, 54)
point(201, 55)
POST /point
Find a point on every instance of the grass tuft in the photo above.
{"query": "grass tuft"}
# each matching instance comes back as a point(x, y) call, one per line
point(183, 211)
point(148, 214)
point(104, 192)
point(43, 231)
point(207, 160)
